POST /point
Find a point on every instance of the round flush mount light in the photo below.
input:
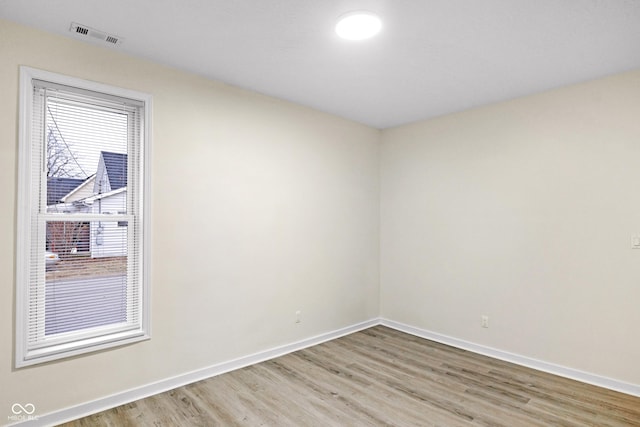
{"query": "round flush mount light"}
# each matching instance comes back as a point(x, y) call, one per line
point(358, 25)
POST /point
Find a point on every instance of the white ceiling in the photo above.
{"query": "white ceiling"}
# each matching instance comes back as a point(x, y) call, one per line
point(433, 57)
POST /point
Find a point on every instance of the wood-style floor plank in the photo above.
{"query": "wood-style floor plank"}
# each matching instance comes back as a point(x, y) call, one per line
point(379, 377)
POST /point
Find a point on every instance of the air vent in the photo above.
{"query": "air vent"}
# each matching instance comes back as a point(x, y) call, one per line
point(83, 30)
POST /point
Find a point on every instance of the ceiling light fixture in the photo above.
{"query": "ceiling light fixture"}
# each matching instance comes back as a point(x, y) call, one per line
point(358, 25)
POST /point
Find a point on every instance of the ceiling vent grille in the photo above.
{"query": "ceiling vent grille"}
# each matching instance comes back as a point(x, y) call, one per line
point(83, 30)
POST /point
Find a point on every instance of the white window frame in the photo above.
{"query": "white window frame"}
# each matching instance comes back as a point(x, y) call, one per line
point(84, 342)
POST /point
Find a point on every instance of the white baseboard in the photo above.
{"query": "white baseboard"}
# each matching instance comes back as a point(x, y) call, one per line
point(574, 374)
point(137, 393)
point(88, 408)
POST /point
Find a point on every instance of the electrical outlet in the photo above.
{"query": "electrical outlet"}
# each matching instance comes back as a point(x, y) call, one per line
point(298, 320)
point(484, 321)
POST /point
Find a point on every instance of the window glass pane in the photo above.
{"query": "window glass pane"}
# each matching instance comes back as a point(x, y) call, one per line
point(86, 156)
point(88, 287)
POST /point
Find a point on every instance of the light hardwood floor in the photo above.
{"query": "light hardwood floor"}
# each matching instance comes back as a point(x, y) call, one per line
point(379, 377)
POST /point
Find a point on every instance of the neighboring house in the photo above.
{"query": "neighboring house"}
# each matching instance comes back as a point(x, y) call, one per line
point(112, 172)
point(81, 191)
point(65, 237)
point(58, 188)
point(72, 200)
point(108, 238)
point(104, 192)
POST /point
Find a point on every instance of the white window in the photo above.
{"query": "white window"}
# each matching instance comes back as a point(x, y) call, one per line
point(82, 252)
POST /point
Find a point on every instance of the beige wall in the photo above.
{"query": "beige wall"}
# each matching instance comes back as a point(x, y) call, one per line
point(260, 208)
point(523, 211)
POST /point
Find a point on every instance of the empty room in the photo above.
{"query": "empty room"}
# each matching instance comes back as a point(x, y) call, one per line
point(320, 213)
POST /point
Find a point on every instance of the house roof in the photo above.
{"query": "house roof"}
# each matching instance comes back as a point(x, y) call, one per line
point(57, 188)
point(90, 200)
point(116, 166)
point(85, 183)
